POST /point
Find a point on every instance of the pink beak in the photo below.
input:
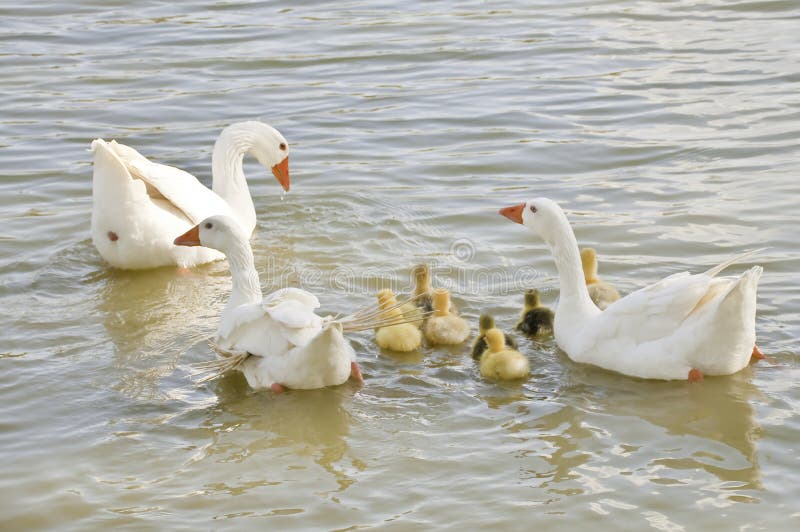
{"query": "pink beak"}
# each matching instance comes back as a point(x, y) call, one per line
point(189, 238)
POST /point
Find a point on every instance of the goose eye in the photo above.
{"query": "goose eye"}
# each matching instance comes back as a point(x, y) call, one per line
point(282, 146)
point(532, 208)
point(209, 225)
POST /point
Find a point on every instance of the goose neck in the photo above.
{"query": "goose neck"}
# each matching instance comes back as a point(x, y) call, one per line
point(228, 179)
point(246, 284)
point(574, 296)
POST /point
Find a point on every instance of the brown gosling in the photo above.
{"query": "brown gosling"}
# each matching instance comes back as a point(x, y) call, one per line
point(536, 320)
point(485, 323)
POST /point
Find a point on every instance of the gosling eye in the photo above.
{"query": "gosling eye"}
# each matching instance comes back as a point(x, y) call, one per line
point(209, 225)
point(533, 208)
point(282, 146)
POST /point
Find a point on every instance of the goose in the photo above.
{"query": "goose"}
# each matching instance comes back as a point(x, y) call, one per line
point(138, 206)
point(602, 293)
point(680, 328)
point(277, 341)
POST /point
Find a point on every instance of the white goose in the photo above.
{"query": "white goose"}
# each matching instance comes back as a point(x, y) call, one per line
point(138, 206)
point(277, 341)
point(681, 327)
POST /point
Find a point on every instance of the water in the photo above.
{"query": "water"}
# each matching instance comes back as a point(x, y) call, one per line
point(668, 130)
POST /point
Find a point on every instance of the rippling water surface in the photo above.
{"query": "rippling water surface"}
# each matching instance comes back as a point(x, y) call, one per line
point(669, 131)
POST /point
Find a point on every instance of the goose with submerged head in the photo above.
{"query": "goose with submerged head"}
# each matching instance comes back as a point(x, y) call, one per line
point(277, 341)
point(682, 327)
point(138, 206)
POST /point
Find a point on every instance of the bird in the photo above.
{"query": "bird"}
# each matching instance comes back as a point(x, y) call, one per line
point(277, 341)
point(600, 292)
point(486, 322)
point(536, 319)
point(138, 206)
point(502, 362)
point(401, 337)
point(445, 327)
point(684, 327)
point(422, 287)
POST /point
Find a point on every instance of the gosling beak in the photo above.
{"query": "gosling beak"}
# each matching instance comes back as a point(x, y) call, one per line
point(189, 238)
point(281, 173)
point(513, 213)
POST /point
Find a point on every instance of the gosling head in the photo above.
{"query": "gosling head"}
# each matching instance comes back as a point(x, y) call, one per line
point(386, 298)
point(218, 232)
point(532, 299)
point(485, 323)
point(589, 265)
point(422, 279)
point(496, 340)
point(441, 301)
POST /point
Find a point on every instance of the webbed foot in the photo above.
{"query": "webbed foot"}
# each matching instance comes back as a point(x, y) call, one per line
point(355, 373)
point(756, 355)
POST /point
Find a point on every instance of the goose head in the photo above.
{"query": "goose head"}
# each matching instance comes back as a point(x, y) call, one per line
point(272, 150)
point(260, 140)
point(540, 215)
point(217, 232)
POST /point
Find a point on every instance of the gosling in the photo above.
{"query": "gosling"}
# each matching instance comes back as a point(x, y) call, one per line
point(402, 337)
point(485, 323)
point(601, 292)
point(500, 362)
point(445, 327)
point(536, 319)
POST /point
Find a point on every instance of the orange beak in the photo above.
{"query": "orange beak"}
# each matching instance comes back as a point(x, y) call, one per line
point(189, 238)
point(281, 173)
point(513, 213)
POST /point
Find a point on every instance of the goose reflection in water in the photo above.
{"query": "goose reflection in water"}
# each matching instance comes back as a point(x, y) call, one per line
point(596, 414)
point(309, 423)
point(151, 316)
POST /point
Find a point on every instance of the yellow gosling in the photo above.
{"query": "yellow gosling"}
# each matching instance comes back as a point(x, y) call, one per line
point(422, 287)
point(485, 323)
point(499, 362)
point(422, 295)
point(403, 337)
point(601, 292)
point(445, 327)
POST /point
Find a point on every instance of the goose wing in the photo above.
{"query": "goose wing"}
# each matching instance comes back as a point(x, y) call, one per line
point(180, 188)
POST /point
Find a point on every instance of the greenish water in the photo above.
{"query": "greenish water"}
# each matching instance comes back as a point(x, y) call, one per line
point(668, 130)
